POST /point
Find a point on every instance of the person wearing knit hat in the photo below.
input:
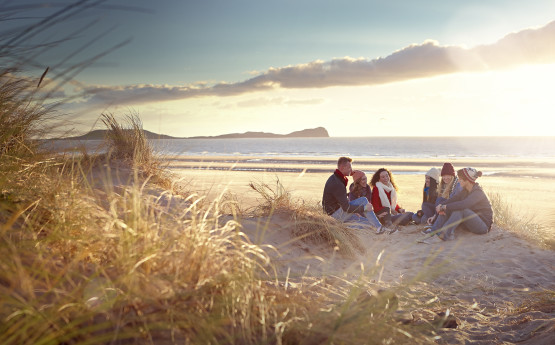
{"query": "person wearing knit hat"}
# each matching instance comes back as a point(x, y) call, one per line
point(358, 175)
point(433, 173)
point(448, 187)
point(470, 174)
point(469, 210)
point(447, 169)
point(429, 196)
point(336, 203)
point(360, 192)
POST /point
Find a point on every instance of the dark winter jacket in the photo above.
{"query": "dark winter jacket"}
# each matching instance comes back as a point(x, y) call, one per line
point(475, 200)
point(335, 197)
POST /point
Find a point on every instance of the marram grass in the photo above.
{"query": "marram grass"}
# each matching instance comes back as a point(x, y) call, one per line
point(77, 272)
point(87, 263)
point(509, 218)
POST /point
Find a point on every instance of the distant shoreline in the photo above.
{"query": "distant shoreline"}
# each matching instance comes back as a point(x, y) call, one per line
point(314, 165)
point(476, 162)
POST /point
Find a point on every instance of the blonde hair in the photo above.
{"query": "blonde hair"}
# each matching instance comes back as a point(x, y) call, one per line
point(445, 189)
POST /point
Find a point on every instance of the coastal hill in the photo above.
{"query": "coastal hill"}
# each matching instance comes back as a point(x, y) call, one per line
point(100, 134)
point(319, 132)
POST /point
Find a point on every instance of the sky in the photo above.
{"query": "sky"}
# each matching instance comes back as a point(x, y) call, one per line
point(354, 67)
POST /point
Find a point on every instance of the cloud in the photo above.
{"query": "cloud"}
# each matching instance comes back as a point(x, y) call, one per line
point(312, 101)
point(265, 101)
point(258, 102)
point(530, 46)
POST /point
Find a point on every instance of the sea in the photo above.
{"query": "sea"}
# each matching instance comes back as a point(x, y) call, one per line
point(491, 148)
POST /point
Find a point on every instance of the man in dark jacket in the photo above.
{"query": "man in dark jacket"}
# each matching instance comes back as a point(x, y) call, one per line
point(336, 203)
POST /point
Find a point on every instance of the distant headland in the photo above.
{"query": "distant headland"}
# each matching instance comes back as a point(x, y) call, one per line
point(318, 132)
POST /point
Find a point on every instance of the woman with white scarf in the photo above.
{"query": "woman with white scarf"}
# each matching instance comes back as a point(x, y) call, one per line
point(384, 200)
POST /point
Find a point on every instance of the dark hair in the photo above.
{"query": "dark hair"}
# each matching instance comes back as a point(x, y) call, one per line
point(376, 178)
point(343, 160)
point(432, 192)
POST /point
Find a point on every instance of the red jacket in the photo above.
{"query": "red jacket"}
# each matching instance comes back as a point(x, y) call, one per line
point(377, 202)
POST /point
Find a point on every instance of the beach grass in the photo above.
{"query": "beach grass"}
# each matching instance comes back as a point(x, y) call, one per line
point(127, 141)
point(307, 221)
point(88, 263)
point(523, 225)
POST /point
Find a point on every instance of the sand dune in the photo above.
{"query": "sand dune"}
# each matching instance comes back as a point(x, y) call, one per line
point(480, 277)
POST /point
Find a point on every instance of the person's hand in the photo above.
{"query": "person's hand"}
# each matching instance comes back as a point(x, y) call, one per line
point(438, 208)
point(401, 210)
point(441, 209)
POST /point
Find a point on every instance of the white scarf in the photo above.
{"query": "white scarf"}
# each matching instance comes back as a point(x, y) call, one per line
point(382, 188)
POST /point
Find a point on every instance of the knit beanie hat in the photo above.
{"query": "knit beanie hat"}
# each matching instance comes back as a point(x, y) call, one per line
point(447, 169)
point(357, 175)
point(471, 174)
point(433, 173)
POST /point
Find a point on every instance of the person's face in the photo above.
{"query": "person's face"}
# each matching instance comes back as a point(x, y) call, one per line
point(427, 181)
point(346, 169)
point(363, 181)
point(465, 184)
point(447, 178)
point(384, 177)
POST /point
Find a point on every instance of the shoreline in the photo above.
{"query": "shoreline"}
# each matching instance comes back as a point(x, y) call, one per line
point(527, 186)
point(406, 166)
point(539, 161)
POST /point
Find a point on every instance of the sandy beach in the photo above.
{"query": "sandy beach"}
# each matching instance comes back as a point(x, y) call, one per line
point(482, 278)
point(480, 275)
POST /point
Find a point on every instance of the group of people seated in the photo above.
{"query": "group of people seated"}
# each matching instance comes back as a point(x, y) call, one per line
point(450, 200)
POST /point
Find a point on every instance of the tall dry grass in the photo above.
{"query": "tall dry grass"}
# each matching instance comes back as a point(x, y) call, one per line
point(78, 272)
point(129, 267)
point(509, 218)
point(127, 140)
point(308, 222)
point(21, 118)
